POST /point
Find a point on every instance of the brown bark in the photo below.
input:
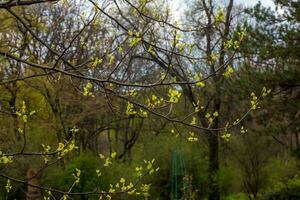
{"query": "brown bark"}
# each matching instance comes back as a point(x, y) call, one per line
point(33, 193)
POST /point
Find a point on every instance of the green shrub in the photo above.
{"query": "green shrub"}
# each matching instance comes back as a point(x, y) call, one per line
point(285, 191)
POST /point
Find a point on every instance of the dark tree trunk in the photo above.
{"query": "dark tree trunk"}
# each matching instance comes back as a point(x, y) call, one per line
point(214, 191)
point(213, 147)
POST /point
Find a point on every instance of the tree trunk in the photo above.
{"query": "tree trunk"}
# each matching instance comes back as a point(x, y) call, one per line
point(214, 191)
point(213, 147)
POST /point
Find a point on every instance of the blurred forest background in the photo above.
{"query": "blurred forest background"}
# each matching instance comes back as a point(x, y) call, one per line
point(92, 91)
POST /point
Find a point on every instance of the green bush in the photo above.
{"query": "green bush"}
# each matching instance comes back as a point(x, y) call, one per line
point(62, 177)
point(285, 191)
